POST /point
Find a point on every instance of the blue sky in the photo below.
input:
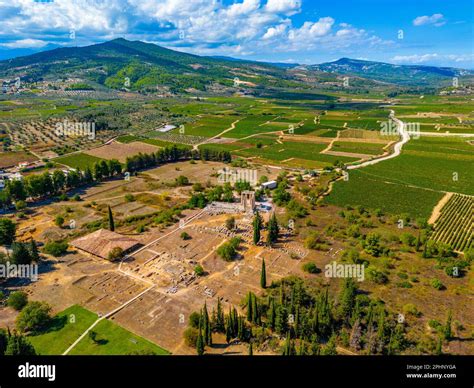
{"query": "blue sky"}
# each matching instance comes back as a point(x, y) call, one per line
point(436, 32)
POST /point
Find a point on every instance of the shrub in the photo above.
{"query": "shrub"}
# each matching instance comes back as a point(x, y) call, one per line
point(20, 205)
point(194, 319)
point(230, 223)
point(191, 336)
point(63, 197)
point(198, 270)
point(55, 248)
point(197, 187)
point(376, 276)
point(129, 198)
point(17, 300)
point(410, 309)
point(404, 284)
point(115, 254)
point(7, 231)
point(310, 267)
point(436, 283)
point(76, 197)
point(182, 180)
point(314, 241)
point(59, 221)
point(408, 239)
point(33, 317)
point(226, 251)
point(185, 236)
point(469, 254)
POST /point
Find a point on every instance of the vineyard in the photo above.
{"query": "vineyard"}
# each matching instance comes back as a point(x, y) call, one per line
point(455, 223)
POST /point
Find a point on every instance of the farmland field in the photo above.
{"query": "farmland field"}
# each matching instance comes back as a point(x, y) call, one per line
point(407, 183)
point(358, 147)
point(8, 159)
point(455, 224)
point(288, 151)
point(376, 193)
point(121, 151)
point(79, 160)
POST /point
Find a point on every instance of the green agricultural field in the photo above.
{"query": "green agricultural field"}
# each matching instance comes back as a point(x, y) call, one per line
point(112, 339)
point(412, 182)
point(127, 139)
point(159, 142)
point(357, 147)
point(288, 151)
point(78, 160)
point(252, 125)
point(65, 328)
point(209, 126)
point(375, 193)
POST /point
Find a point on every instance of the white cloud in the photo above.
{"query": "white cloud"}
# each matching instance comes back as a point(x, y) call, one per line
point(276, 31)
point(434, 57)
point(415, 58)
point(199, 26)
point(24, 43)
point(436, 19)
point(287, 7)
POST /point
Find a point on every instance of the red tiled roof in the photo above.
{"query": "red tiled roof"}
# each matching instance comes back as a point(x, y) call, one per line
point(102, 241)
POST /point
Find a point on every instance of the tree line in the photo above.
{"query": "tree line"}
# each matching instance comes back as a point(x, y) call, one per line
point(48, 184)
point(174, 153)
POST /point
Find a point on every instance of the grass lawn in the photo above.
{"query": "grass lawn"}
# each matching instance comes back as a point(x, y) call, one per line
point(68, 325)
point(65, 328)
point(114, 340)
point(78, 160)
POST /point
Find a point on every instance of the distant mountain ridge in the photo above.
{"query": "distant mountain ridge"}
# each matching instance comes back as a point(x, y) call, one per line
point(149, 66)
point(387, 72)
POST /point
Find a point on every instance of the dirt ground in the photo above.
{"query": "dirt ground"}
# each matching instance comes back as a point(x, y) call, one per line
point(165, 264)
point(120, 151)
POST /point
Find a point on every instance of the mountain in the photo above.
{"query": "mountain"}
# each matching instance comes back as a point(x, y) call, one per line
point(397, 74)
point(145, 65)
point(140, 66)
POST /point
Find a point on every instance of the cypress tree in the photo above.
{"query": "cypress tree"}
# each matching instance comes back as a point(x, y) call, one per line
point(254, 309)
point(273, 230)
point(257, 226)
point(272, 315)
point(287, 346)
point(447, 328)
point(250, 349)
point(228, 335)
point(200, 342)
point(206, 326)
point(282, 293)
point(249, 307)
point(347, 299)
point(439, 347)
point(220, 322)
point(263, 276)
point(33, 251)
point(111, 220)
